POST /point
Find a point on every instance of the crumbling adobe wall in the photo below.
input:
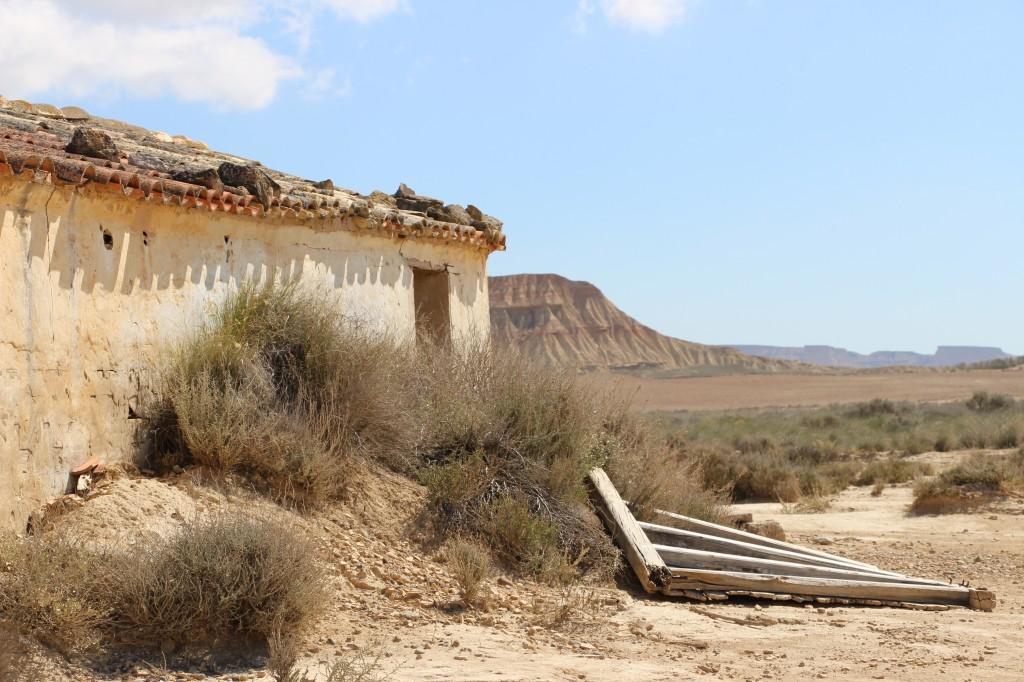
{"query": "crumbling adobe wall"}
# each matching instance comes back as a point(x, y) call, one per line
point(93, 286)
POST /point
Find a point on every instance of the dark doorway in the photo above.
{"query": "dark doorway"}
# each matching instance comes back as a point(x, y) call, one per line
point(431, 298)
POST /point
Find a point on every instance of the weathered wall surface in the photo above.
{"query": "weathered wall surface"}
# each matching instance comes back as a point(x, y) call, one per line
point(93, 286)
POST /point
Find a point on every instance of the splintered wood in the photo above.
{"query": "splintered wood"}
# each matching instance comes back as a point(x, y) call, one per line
point(707, 562)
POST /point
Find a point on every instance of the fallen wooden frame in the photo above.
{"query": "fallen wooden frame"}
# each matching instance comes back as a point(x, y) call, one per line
point(710, 562)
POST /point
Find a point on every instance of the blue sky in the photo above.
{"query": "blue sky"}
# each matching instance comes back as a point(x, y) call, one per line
point(727, 171)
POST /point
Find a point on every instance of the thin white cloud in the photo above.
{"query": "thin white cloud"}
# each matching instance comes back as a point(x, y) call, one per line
point(364, 10)
point(324, 84)
point(584, 8)
point(652, 16)
point(193, 50)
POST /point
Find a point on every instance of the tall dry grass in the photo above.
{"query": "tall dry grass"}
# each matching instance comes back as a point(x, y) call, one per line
point(505, 450)
point(279, 388)
point(226, 580)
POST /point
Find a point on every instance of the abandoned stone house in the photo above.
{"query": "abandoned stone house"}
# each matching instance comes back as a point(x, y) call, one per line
point(115, 239)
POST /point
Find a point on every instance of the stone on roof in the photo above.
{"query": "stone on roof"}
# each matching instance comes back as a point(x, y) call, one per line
point(75, 147)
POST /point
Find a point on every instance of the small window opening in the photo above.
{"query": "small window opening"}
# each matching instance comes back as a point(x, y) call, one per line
point(145, 239)
point(431, 298)
point(108, 240)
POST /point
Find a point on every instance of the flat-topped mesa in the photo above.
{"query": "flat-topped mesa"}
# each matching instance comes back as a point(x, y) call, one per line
point(75, 147)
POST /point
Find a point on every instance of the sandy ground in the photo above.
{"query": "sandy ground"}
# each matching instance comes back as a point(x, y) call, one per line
point(395, 600)
point(657, 639)
point(782, 390)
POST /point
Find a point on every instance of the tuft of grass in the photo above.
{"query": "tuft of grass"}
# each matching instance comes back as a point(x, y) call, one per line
point(470, 565)
point(574, 608)
point(811, 504)
point(226, 580)
point(278, 387)
point(360, 665)
point(878, 489)
point(970, 484)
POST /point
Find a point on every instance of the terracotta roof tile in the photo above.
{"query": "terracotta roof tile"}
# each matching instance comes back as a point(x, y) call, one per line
point(33, 137)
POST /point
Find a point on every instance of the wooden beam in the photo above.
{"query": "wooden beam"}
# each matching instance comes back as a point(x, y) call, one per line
point(708, 528)
point(698, 579)
point(648, 565)
point(675, 537)
point(678, 557)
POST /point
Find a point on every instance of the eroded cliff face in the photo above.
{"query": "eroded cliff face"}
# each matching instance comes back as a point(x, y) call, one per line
point(564, 322)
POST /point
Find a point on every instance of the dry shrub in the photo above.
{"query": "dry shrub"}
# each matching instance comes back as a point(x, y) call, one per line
point(214, 581)
point(892, 470)
point(872, 408)
point(505, 451)
point(278, 387)
point(983, 401)
point(878, 489)
point(223, 581)
point(970, 484)
point(48, 591)
point(655, 473)
point(470, 565)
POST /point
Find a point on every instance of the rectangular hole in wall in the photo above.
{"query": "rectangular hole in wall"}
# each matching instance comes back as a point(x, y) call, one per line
point(431, 298)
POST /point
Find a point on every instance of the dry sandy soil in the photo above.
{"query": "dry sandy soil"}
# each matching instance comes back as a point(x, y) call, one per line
point(740, 391)
point(395, 600)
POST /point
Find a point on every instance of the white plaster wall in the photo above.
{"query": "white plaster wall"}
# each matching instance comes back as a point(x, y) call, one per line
point(81, 325)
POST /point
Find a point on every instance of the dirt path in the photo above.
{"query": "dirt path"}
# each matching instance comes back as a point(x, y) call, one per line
point(785, 390)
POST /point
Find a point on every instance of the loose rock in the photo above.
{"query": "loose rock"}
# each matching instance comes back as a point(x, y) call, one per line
point(93, 143)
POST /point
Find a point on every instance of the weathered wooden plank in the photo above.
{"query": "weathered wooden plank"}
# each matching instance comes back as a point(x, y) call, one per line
point(678, 557)
point(648, 565)
point(708, 528)
point(824, 589)
point(675, 537)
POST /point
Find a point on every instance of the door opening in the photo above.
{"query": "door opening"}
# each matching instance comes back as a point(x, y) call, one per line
point(431, 298)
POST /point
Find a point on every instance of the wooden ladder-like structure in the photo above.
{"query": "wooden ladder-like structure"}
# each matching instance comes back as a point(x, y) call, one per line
point(708, 562)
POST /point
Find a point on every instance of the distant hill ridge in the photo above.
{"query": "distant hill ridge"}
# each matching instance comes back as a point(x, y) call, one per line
point(565, 322)
point(831, 356)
